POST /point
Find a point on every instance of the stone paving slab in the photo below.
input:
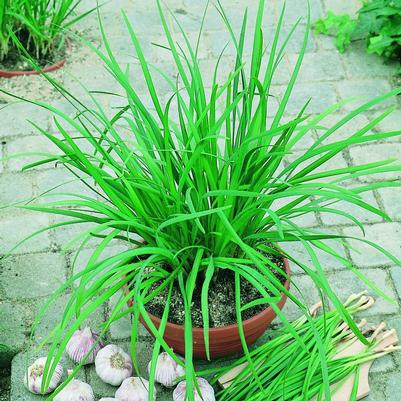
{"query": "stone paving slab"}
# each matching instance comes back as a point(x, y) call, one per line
point(40, 266)
point(364, 255)
point(18, 226)
point(29, 281)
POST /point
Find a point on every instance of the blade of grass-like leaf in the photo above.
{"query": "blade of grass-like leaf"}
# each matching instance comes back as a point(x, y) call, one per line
point(291, 83)
point(205, 305)
point(241, 329)
point(189, 369)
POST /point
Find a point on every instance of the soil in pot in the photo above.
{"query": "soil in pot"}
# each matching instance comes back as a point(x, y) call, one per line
point(14, 61)
point(221, 301)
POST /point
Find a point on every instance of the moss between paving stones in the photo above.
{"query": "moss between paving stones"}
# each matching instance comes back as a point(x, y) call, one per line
point(6, 355)
point(12, 331)
point(5, 384)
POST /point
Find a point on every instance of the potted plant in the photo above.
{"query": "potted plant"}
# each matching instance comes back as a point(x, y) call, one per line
point(195, 197)
point(39, 27)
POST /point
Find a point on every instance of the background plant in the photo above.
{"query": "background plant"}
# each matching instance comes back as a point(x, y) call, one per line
point(377, 21)
point(207, 191)
point(4, 23)
point(38, 24)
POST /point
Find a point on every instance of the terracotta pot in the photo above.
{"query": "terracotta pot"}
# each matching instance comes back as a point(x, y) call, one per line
point(50, 68)
point(225, 340)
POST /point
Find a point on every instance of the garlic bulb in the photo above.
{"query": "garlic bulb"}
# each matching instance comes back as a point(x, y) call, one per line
point(109, 399)
point(75, 390)
point(80, 343)
point(113, 365)
point(134, 389)
point(167, 370)
point(206, 389)
point(34, 376)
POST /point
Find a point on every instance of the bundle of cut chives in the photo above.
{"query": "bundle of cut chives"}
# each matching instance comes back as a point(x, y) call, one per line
point(302, 366)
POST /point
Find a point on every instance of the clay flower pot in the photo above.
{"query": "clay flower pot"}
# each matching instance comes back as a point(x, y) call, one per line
point(223, 341)
point(16, 73)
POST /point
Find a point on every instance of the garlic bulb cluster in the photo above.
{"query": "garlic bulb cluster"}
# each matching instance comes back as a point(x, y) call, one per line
point(80, 344)
point(207, 391)
point(113, 365)
point(167, 370)
point(75, 390)
point(34, 376)
point(134, 389)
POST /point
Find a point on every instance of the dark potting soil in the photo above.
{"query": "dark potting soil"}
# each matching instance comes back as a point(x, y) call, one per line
point(221, 300)
point(14, 61)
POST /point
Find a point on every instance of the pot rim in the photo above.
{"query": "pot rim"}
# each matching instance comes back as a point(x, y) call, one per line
point(250, 321)
point(53, 67)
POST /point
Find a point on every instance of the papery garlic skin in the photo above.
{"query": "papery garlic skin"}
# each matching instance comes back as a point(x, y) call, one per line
point(109, 399)
point(80, 343)
point(134, 389)
point(75, 390)
point(206, 389)
point(34, 376)
point(167, 370)
point(113, 365)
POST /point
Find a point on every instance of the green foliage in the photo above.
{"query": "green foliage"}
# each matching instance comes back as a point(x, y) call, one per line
point(201, 178)
point(4, 27)
point(37, 24)
point(378, 21)
point(341, 26)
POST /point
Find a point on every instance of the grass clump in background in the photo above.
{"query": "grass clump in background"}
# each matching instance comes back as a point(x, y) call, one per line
point(38, 25)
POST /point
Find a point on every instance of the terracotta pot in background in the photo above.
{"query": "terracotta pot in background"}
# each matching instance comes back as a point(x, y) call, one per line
point(223, 341)
point(16, 73)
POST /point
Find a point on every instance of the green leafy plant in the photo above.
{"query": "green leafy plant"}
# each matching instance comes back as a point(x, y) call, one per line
point(206, 191)
point(378, 21)
point(38, 24)
point(341, 26)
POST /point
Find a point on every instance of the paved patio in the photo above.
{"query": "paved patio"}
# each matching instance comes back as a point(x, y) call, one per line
point(39, 267)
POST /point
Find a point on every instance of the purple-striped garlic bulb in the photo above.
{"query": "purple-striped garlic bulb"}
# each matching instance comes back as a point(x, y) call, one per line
point(34, 376)
point(81, 343)
point(134, 389)
point(167, 370)
point(207, 391)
